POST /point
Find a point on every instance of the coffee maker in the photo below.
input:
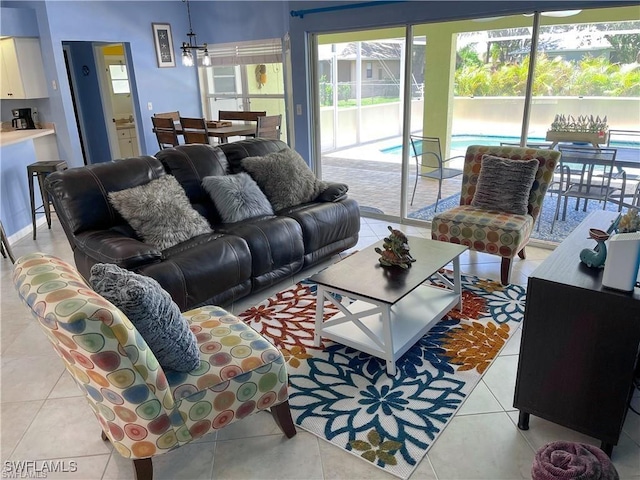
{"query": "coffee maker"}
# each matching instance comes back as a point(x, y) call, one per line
point(22, 119)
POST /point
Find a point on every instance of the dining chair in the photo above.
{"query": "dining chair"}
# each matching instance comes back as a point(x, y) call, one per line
point(194, 130)
point(165, 130)
point(268, 126)
point(427, 154)
point(593, 181)
point(496, 231)
point(175, 116)
point(247, 116)
point(145, 410)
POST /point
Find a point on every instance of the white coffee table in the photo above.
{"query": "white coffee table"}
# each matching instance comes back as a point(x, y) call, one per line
point(393, 307)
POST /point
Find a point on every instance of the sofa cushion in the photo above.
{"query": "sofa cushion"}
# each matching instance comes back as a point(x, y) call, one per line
point(160, 212)
point(504, 185)
point(156, 317)
point(237, 197)
point(284, 177)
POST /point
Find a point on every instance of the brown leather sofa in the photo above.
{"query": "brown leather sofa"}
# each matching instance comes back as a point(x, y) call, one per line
point(216, 268)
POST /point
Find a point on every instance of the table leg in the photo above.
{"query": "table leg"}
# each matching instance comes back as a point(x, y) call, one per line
point(523, 420)
point(388, 339)
point(457, 281)
point(317, 337)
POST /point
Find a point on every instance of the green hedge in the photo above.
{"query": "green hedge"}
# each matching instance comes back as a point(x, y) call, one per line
point(554, 77)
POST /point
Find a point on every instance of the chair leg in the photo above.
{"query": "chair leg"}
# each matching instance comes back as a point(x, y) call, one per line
point(415, 184)
point(505, 270)
point(522, 254)
point(143, 469)
point(104, 436)
point(4, 244)
point(439, 194)
point(557, 213)
point(282, 416)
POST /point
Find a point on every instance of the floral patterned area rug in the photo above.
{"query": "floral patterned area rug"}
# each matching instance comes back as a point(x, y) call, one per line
point(347, 397)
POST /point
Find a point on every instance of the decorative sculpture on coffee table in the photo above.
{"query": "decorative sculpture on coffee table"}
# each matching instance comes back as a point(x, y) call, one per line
point(396, 250)
point(595, 258)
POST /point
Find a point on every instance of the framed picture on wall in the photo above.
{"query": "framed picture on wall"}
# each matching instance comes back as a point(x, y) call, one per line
point(163, 41)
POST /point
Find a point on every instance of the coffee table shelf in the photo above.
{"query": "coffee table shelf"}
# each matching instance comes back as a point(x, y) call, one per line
point(407, 321)
point(391, 308)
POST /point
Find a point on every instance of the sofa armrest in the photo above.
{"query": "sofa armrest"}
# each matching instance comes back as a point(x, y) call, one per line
point(108, 246)
point(333, 193)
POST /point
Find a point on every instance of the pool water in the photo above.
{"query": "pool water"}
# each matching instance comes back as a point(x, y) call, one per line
point(461, 142)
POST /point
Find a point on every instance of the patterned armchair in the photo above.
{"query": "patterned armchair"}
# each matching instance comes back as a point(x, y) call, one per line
point(143, 410)
point(494, 232)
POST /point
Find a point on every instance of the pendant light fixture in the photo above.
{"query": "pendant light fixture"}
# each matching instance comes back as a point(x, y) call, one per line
point(187, 48)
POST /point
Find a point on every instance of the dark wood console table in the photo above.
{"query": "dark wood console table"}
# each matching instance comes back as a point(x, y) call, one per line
point(579, 345)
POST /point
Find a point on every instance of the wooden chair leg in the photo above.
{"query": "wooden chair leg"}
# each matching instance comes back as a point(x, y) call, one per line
point(522, 254)
point(282, 416)
point(143, 469)
point(104, 436)
point(505, 271)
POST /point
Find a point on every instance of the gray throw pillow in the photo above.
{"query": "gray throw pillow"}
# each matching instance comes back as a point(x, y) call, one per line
point(152, 311)
point(284, 177)
point(236, 197)
point(160, 212)
point(504, 185)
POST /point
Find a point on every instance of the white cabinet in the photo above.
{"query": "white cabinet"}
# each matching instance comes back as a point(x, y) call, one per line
point(128, 142)
point(22, 69)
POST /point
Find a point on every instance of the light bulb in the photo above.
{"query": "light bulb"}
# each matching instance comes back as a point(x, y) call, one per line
point(187, 58)
point(206, 59)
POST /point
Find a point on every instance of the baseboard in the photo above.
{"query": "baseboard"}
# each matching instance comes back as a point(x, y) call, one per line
point(26, 231)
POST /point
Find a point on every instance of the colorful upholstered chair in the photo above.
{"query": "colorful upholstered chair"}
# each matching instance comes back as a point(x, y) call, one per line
point(143, 410)
point(492, 231)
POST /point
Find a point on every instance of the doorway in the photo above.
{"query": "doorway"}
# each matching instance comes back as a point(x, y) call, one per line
point(100, 77)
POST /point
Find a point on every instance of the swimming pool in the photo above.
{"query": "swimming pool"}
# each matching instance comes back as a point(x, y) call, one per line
point(461, 142)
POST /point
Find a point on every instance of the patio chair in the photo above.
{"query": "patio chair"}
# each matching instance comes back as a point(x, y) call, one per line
point(497, 231)
point(592, 181)
point(430, 164)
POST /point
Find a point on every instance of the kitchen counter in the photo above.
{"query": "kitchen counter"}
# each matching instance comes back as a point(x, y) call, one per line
point(16, 136)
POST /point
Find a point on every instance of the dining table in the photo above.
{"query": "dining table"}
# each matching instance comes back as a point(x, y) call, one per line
point(244, 129)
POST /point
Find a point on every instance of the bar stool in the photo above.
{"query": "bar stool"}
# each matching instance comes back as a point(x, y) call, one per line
point(41, 170)
point(5, 248)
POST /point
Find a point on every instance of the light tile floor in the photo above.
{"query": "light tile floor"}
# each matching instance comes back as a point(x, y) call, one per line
point(45, 417)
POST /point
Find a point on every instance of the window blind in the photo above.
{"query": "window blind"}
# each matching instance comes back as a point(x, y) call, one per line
point(246, 53)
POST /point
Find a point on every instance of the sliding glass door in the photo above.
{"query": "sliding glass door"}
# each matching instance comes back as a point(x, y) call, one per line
point(360, 101)
point(466, 83)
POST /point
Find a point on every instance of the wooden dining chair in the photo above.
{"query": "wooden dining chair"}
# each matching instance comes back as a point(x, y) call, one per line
point(165, 130)
point(194, 130)
point(175, 116)
point(269, 126)
point(246, 116)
